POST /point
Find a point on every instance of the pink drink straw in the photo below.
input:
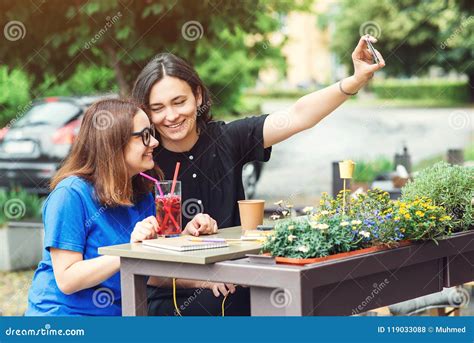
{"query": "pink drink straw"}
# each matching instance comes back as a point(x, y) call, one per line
point(175, 177)
point(155, 181)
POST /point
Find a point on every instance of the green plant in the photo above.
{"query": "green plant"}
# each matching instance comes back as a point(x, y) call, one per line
point(372, 209)
point(420, 219)
point(449, 186)
point(366, 171)
point(18, 205)
point(14, 93)
point(304, 237)
point(452, 91)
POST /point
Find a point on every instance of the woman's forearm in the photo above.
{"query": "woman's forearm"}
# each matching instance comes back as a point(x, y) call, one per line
point(87, 273)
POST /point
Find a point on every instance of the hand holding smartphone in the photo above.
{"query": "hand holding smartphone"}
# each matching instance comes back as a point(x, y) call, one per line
point(372, 51)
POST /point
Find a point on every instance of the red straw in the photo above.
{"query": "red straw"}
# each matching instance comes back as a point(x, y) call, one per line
point(175, 177)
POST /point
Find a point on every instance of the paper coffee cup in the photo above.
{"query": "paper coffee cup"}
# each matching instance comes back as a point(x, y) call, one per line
point(251, 213)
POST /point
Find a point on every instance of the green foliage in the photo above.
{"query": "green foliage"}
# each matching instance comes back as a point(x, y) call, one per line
point(449, 91)
point(413, 35)
point(367, 220)
point(86, 80)
point(366, 171)
point(14, 93)
point(19, 205)
point(449, 186)
point(370, 213)
point(305, 238)
point(227, 41)
point(420, 219)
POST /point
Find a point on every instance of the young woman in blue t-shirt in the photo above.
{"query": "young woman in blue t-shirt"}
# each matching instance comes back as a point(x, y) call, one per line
point(98, 199)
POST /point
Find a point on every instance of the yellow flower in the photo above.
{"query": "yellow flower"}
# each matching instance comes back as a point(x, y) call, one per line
point(291, 227)
point(407, 216)
point(419, 214)
point(344, 223)
point(291, 238)
point(402, 230)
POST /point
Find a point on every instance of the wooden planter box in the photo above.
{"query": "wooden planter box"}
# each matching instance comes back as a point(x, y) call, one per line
point(363, 282)
point(459, 262)
point(21, 245)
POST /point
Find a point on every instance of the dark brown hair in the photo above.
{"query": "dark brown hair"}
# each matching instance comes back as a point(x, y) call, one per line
point(167, 64)
point(97, 154)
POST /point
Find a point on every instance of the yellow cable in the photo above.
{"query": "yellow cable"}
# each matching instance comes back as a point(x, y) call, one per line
point(174, 298)
point(223, 303)
point(176, 303)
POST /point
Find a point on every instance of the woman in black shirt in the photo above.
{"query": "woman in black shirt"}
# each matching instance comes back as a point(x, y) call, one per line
point(212, 153)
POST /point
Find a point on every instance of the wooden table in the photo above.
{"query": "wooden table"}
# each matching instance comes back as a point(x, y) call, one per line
point(341, 287)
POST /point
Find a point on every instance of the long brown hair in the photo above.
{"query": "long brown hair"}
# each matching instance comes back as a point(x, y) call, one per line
point(97, 154)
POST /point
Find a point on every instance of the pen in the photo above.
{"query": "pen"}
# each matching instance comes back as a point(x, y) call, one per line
point(208, 240)
point(170, 236)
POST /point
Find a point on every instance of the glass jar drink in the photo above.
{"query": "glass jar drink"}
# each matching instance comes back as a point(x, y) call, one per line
point(168, 208)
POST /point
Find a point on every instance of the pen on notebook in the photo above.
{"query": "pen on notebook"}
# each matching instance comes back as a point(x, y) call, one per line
point(207, 240)
point(170, 236)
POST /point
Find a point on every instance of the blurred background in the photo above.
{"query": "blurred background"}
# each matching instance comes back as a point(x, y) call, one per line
point(57, 57)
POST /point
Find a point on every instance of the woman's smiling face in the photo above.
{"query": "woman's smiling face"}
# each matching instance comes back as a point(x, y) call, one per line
point(138, 156)
point(173, 110)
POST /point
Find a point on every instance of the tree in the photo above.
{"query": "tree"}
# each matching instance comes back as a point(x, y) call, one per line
point(227, 41)
point(413, 35)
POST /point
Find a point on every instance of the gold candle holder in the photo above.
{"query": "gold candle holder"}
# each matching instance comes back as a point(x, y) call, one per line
point(346, 170)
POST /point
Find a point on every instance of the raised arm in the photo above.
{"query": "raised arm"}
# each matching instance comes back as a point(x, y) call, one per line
point(310, 109)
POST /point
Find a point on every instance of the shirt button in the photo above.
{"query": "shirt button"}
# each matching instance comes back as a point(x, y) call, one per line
point(194, 175)
point(199, 202)
point(191, 157)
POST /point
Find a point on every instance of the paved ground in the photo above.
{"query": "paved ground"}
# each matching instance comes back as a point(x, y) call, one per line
point(14, 292)
point(300, 168)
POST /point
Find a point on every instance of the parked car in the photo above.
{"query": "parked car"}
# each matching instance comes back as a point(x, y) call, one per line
point(33, 147)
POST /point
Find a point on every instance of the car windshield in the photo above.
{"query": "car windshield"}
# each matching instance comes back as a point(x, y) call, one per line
point(50, 113)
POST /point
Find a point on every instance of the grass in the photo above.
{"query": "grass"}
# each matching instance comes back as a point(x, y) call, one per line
point(251, 102)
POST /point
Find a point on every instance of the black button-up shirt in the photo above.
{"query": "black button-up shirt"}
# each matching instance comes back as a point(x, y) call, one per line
point(211, 172)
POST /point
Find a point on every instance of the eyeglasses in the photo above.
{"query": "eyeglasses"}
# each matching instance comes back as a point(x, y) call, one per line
point(146, 134)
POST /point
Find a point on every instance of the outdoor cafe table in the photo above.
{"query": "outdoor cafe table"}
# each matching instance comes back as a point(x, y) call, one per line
point(339, 287)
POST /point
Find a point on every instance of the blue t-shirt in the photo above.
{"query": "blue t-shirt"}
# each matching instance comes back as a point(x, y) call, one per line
point(74, 220)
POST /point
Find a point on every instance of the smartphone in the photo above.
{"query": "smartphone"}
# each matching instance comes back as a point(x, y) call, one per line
point(372, 51)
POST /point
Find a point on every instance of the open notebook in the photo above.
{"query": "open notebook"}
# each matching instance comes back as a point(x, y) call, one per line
point(182, 244)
